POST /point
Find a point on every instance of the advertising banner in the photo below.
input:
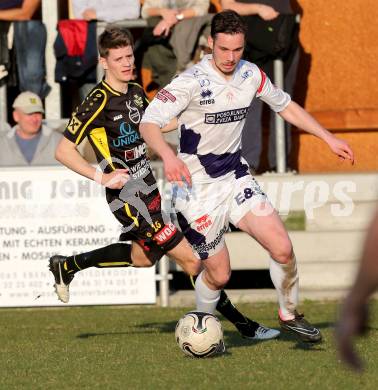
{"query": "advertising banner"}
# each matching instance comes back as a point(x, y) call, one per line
point(45, 211)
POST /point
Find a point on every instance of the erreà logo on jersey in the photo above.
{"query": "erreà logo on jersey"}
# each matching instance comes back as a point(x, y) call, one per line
point(134, 153)
point(206, 93)
point(202, 223)
point(206, 97)
point(165, 234)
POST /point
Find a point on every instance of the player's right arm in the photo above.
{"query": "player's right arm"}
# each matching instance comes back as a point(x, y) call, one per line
point(88, 116)
point(174, 168)
point(167, 105)
point(67, 154)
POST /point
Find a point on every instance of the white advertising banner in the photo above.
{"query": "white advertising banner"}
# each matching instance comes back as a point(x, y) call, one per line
point(50, 210)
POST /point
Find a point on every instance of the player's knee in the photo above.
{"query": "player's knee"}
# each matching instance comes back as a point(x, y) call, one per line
point(284, 252)
point(142, 262)
point(219, 280)
point(146, 264)
point(192, 267)
point(222, 281)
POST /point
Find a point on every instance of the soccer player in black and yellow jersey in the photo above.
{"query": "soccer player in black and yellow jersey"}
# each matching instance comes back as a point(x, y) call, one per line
point(109, 117)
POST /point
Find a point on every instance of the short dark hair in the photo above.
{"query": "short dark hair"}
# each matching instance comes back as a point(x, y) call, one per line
point(114, 37)
point(227, 22)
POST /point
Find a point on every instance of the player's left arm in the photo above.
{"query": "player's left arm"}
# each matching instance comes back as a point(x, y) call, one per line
point(297, 116)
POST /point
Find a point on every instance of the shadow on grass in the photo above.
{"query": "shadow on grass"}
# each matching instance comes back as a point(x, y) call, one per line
point(307, 346)
point(147, 328)
point(89, 335)
point(216, 356)
point(232, 338)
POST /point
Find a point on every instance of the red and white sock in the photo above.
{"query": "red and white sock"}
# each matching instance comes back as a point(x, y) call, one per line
point(285, 280)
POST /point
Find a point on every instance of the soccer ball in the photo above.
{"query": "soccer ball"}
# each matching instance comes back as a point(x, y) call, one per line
point(199, 334)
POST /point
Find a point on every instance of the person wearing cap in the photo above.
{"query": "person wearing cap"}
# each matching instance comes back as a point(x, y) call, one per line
point(29, 142)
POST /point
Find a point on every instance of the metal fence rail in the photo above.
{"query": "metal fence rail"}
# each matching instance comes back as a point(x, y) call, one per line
point(163, 276)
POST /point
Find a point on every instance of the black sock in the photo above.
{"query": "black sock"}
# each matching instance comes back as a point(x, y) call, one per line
point(114, 255)
point(228, 310)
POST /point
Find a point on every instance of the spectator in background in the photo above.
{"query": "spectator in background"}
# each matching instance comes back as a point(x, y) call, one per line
point(103, 10)
point(4, 127)
point(5, 62)
point(246, 7)
point(252, 131)
point(171, 13)
point(29, 43)
point(106, 10)
point(28, 142)
point(166, 52)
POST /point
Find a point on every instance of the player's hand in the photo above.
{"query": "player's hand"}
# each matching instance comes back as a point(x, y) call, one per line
point(266, 12)
point(116, 179)
point(177, 171)
point(341, 148)
point(352, 323)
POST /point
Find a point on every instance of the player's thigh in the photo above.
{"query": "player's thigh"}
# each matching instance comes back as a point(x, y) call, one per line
point(183, 255)
point(218, 268)
point(268, 229)
point(139, 256)
point(153, 238)
point(202, 215)
point(252, 212)
point(205, 234)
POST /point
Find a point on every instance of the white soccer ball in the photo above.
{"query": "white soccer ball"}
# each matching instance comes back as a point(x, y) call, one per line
point(199, 334)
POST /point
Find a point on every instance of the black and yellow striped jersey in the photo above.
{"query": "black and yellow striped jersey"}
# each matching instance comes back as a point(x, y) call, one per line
point(110, 119)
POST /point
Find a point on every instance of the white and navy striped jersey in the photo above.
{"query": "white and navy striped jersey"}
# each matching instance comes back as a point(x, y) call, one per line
point(211, 112)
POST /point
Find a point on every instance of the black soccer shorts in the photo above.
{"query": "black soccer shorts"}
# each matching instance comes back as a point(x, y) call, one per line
point(142, 219)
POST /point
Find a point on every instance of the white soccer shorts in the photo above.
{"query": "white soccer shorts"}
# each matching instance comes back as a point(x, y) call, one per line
point(205, 210)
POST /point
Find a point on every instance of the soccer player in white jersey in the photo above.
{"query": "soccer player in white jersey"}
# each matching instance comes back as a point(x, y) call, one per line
point(213, 185)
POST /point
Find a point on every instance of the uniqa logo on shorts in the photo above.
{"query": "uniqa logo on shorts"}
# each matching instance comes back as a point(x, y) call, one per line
point(128, 136)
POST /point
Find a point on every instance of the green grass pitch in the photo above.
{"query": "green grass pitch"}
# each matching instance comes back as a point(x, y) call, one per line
point(133, 347)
